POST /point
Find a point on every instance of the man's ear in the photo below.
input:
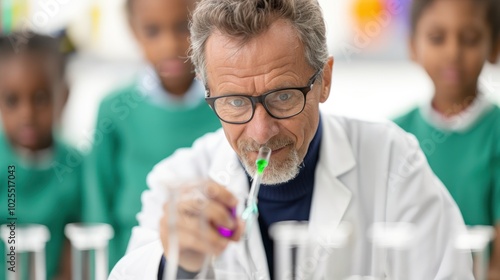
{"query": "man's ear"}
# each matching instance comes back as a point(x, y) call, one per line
point(495, 52)
point(327, 80)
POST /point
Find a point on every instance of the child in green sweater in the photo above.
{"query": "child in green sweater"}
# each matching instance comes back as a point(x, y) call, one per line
point(145, 122)
point(459, 129)
point(46, 174)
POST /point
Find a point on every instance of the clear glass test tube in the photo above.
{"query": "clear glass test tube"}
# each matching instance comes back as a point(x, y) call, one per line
point(29, 243)
point(331, 258)
point(87, 239)
point(306, 253)
point(292, 242)
point(394, 239)
point(227, 267)
point(474, 241)
point(359, 277)
point(193, 194)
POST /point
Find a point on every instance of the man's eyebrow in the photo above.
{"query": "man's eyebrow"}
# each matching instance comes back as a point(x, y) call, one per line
point(260, 93)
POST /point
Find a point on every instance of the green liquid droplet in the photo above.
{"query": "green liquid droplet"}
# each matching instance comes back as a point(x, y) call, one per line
point(261, 165)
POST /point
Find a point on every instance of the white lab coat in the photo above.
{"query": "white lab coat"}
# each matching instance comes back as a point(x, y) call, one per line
point(367, 172)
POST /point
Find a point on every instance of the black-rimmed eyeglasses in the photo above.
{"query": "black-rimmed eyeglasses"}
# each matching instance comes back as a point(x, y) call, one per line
point(280, 103)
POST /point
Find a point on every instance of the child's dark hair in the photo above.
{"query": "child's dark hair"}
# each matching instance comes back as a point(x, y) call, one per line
point(32, 43)
point(492, 17)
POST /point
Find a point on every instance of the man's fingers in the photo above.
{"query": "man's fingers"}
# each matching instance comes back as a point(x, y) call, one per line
point(208, 190)
point(220, 194)
point(199, 210)
point(201, 228)
point(239, 231)
point(202, 238)
point(220, 215)
point(211, 211)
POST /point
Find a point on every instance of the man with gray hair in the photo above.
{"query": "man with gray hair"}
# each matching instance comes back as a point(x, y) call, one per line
point(266, 69)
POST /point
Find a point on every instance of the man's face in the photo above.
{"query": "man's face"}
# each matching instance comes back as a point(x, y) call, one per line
point(273, 60)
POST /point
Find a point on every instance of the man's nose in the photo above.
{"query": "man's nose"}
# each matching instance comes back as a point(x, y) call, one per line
point(262, 127)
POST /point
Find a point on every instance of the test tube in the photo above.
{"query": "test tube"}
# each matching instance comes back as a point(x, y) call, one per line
point(395, 238)
point(476, 241)
point(305, 253)
point(29, 250)
point(193, 192)
point(251, 212)
point(359, 277)
point(291, 244)
point(227, 267)
point(87, 239)
point(331, 256)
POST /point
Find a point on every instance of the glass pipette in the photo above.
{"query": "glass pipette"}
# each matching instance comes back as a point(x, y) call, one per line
point(251, 203)
point(251, 209)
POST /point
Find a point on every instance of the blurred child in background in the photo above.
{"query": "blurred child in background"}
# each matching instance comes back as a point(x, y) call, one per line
point(47, 187)
point(145, 122)
point(459, 129)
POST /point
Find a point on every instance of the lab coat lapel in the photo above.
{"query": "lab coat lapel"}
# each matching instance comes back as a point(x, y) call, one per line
point(331, 197)
point(227, 171)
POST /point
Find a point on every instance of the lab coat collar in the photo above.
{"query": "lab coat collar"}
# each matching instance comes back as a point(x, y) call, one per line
point(330, 198)
point(336, 152)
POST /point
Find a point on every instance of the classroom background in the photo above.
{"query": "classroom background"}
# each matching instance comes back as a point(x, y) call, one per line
point(373, 77)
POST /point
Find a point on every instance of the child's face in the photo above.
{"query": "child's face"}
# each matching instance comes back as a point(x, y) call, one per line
point(26, 103)
point(161, 28)
point(452, 41)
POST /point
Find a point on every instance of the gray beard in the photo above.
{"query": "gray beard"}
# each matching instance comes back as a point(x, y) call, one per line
point(277, 172)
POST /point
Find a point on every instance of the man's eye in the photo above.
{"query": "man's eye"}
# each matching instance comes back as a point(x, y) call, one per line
point(237, 102)
point(284, 96)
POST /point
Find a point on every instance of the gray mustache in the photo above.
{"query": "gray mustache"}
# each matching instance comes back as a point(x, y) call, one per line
point(273, 144)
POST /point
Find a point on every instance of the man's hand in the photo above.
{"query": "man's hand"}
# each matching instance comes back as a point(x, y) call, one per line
point(200, 210)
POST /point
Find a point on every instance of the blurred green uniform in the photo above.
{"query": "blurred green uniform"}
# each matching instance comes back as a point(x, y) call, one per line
point(47, 194)
point(467, 161)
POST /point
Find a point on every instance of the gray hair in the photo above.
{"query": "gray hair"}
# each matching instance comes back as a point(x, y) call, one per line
point(245, 19)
